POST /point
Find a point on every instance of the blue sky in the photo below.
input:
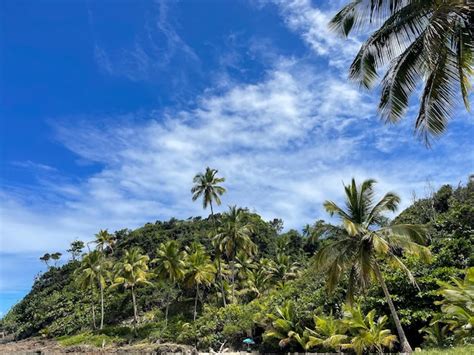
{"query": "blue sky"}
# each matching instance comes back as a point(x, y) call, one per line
point(108, 109)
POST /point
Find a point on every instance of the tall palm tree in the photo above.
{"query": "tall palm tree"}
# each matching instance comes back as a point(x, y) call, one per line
point(103, 240)
point(429, 41)
point(206, 186)
point(88, 276)
point(132, 271)
point(200, 272)
point(362, 247)
point(170, 264)
point(234, 236)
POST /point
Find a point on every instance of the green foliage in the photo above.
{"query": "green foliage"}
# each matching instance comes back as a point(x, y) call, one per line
point(218, 325)
point(279, 271)
point(88, 338)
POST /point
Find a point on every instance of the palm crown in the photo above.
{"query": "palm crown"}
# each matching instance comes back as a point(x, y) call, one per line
point(206, 185)
point(170, 261)
point(418, 40)
point(359, 249)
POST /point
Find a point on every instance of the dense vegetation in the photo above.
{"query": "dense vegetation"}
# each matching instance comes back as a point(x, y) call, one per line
point(213, 282)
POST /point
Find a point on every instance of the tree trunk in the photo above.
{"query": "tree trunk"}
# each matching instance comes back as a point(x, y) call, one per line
point(101, 305)
point(232, 268)
point(405, 345)
point(135, 311)
point(218, 255)
point(93, 308)
point(166, 314)
point(196, 301)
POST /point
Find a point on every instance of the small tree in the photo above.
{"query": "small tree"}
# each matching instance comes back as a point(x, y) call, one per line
point(45, 258)
point(76, 249)
point(56, 256)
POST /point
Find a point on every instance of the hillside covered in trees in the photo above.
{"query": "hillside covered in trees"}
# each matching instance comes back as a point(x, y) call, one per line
point(235, 280)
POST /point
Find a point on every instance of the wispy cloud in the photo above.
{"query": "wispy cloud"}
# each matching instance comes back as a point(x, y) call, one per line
point(28, 164)
point(311, 22)
point(155, 46)
point(285, 145)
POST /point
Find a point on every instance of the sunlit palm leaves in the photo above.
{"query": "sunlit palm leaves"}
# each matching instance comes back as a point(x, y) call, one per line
point(131, 272)
point(457, 306)
point(419, 41)
point(200, 272)
point(363, 247)
point(234, 235)
point(284, 325)
point(328, 333)
point(367, 333)
point(206, 186)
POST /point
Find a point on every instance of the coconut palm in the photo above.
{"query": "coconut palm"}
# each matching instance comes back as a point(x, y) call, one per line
point(170, 264)
point(104, 240)
point(284, 269)
point(234, 236)
point(362, 247)
point(200, 272)
point(367, 333)
point(88, 276)
point(244, 263)
point(206, 186)
point(256, 282)
point(429, 42)
point(131, 272)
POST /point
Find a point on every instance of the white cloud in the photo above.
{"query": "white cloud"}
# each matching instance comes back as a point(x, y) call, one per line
point(311, 22)
point(284, 144)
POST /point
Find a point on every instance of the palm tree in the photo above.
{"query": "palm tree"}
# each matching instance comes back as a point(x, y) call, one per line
point(95, 270)
point(200, 271)
point(88, 276)
point(284, 269)
point(131, 272)
point(206, 185)
point(171, 266)
point(244, 264)
point(104, 240)
point(363, 246)
point(418, 41)
point(234, 236)
point(368, 334)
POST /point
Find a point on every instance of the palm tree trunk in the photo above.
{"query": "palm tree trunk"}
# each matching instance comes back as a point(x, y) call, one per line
point(196, 301)
point(218, 255)
point(135, 311)
point(232, 268)
point(406, 348)
point(101, 306)
point(93, 307)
